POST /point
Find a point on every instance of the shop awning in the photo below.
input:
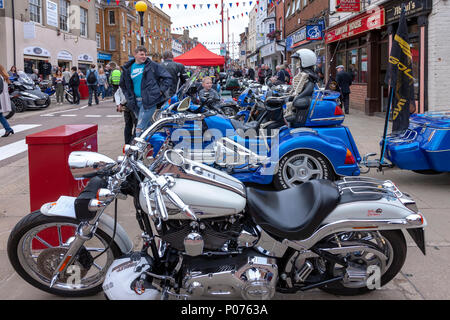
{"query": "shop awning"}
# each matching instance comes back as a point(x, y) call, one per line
point(200, 56)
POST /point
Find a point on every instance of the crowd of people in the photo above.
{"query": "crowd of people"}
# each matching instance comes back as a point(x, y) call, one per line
point(142, 85)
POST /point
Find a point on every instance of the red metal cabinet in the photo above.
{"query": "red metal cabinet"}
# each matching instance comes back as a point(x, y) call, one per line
point(48, 154)
point(83, 89)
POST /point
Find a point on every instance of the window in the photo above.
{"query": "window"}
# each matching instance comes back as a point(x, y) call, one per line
point(305, 3)
point(112, 42)
point(36, 11)
point(129, 27)
point(271, 27)
point(129, 47)
point(297, 5)
point(123, 44)
point(83, 22)
point(111, 17)
point(149, 20)
point(98, 38)
point(288, 11)
point(64, 15)
point(97, 16)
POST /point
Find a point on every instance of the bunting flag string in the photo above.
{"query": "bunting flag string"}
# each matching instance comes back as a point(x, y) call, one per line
point(194, 6)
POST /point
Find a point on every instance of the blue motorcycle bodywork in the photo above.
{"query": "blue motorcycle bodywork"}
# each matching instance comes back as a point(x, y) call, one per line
point(425, 145)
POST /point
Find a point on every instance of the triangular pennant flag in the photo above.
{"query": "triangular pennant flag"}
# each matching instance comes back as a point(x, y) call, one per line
point(257, 1)
point(178, 6)
point(216, 4)
point(117, 2)
point(237, 4)
point(231, 4)
point(170, 5)
point(185, 6)
point(201, 6)
point(208, 5)
point(193, 6)
point(250, 3)
point(161, 5)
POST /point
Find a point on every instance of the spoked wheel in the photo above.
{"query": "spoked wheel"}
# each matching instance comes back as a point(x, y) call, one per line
point(391, 246)
point(69, 97)
point(38, 243)
point(20, 105)
point(302, 166)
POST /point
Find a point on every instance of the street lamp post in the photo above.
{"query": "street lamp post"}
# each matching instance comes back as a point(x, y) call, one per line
point(141, 7)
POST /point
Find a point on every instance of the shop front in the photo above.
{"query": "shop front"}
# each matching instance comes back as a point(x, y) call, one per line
point(298, 40)
point(103, 59)
point(362, 45)
point(65, 59)
point(272, 54)
point(84, 62)
point(37, 58)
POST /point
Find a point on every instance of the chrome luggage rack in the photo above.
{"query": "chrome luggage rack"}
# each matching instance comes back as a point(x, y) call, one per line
point(407, 136)
point(365, 185)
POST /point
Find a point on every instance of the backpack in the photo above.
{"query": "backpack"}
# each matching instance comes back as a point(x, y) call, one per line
point(91, 79)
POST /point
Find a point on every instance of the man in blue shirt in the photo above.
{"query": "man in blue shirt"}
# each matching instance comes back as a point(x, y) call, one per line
point(92, 83)
point(145, 85)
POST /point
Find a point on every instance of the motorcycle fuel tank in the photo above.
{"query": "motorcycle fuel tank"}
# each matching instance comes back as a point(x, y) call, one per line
point(206, 200)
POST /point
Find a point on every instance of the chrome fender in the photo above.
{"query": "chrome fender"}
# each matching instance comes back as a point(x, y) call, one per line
point(65, 207)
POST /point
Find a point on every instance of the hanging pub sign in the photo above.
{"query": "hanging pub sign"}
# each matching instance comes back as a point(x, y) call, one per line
point(360, 24)
point(348, 5)
point(314, 32)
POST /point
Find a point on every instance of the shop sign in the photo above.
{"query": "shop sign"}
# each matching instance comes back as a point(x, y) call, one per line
point(36, 51)
point(314, 32)
point(52, 14)
point(104, 56)
point(412, 7)
point(29, 30)
point(348, 5)
point(299, 36)
point(289, 43)
point(64, 55)
point(85, 57)
point(268, 49)
point(2, 4)
point(362, 23)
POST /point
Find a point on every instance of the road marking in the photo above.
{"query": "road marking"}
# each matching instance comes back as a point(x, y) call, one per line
point(13, 149)
point(114, 116)
point(93, 116)
point(21, 127)
point(68, 115)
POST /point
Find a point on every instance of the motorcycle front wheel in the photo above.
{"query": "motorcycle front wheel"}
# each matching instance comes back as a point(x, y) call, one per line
point(69, 98)
point(38, 243)
point(19, 104)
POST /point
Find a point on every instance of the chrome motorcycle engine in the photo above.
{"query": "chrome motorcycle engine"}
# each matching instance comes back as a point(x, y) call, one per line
point(249, 276)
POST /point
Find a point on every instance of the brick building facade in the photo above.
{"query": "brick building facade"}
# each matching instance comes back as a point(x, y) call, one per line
point(118, 32)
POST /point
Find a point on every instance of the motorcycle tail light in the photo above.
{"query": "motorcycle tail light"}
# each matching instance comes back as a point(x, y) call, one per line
point(338, 111)
point(349, 159)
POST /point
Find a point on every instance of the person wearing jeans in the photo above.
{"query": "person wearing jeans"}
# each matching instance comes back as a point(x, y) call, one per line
point(92, 83)
point(102, 83)
point(5, 102)
point(140, 73)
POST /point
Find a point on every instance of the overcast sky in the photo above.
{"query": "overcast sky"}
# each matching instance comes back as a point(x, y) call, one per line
point(181, 17)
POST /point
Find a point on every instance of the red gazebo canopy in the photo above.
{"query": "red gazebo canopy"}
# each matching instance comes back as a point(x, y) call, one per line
point(200, 56)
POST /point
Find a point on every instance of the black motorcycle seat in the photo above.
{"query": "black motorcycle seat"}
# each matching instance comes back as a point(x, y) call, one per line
point(252, 125)
point(302, 103)
point(295, 213)
point(275, 102)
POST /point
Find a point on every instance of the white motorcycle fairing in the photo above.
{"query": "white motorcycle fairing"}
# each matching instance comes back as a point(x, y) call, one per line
point(65, 207)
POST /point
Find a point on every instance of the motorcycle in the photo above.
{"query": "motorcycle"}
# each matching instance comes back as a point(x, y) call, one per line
point(26, 95)
point(316, 146)
point(345, 238)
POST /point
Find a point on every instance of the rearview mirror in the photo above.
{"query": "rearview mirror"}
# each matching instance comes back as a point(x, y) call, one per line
point(175, 158)
point(84, 164)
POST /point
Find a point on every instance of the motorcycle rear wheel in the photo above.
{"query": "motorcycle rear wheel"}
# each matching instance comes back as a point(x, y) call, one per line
point(395, 249)
point(34, 252)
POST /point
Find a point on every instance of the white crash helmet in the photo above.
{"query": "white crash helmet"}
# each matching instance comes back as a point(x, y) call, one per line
point(307, 57)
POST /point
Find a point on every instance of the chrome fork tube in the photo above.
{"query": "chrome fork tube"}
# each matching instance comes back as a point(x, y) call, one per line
point(85, 232)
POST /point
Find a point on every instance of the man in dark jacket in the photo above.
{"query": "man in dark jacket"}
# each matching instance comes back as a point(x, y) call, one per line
point(251, 73)
point(74, 84)
point(145, 84)
point(344, 80)
point(176, 70)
